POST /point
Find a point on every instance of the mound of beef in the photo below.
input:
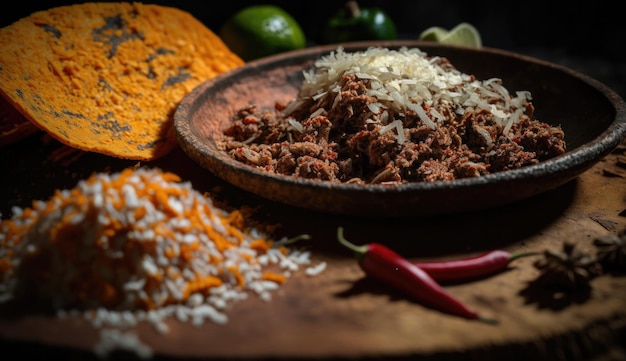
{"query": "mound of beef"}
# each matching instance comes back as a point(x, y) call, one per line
point(351, 131)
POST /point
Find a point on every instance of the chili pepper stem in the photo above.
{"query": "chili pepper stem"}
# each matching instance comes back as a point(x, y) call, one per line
point(358, 250)
point(491, 321)
point(515, 256)
point(296, 239)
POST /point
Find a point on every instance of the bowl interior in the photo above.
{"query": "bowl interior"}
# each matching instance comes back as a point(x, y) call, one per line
point(591, 115)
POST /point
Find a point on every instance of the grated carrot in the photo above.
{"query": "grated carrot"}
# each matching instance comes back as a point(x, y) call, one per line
point(221, 242)
point(234, 270)
point(283, 250)
point(187, 250)
point(274, 277)
point(140, 212)
point(201, 285)
point(236, 219)
point(260, 245)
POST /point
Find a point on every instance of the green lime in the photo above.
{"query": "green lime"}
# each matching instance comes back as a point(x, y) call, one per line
point(463, 34)
point(434, 33)
point(262, 30)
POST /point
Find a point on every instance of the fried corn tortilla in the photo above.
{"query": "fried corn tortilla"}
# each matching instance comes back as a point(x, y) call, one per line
point(107, 77)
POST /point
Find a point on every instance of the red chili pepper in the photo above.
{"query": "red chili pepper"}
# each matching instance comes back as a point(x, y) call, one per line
point(473, 267)
point(383, 264)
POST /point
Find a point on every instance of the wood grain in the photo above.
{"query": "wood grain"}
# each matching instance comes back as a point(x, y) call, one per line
point(339, 314)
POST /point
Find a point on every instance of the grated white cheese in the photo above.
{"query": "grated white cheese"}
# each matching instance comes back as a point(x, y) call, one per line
point(408, 80)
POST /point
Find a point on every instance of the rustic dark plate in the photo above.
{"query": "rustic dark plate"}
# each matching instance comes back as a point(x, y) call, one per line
point(592, 116)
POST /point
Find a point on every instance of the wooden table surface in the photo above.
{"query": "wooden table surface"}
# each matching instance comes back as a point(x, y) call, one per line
point(340, 314)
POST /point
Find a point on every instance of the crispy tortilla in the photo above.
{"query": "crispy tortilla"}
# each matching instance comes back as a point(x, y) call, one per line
point(107, 77)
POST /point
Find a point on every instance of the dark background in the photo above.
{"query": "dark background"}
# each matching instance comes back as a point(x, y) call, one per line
point(589, 38)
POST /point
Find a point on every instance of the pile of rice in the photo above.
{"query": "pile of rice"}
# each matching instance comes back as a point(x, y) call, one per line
point(139, 245)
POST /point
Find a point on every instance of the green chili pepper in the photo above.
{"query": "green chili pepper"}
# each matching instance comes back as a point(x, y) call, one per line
point(353, 23)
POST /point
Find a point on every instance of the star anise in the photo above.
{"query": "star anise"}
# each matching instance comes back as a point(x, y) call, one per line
point(611, 251)
point(567, 269)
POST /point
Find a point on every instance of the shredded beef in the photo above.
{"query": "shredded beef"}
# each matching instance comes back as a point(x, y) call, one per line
point(344, 142)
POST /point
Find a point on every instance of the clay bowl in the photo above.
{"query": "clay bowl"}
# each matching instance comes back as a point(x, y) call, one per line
point(592, 116)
